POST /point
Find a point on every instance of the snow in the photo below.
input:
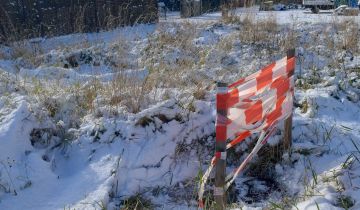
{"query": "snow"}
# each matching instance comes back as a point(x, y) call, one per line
point(56, 154)
point(283, 17)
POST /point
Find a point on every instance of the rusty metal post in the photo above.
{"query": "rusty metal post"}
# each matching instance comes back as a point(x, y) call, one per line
point(288, 121)
point(220, 166)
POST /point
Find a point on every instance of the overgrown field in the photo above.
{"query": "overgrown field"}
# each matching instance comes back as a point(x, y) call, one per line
point(125, 119)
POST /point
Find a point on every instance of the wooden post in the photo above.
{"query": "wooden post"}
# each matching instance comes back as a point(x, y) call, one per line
point(288, 121)
point(287, 135)
point(220, 166)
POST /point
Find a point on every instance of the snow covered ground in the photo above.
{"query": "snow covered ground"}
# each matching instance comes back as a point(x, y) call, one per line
point(283, 17)
point(125, 118)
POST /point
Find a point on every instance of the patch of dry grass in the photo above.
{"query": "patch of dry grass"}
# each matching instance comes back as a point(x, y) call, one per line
point(258, 30)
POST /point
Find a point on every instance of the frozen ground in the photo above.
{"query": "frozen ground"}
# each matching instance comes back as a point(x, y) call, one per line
point(126, 118)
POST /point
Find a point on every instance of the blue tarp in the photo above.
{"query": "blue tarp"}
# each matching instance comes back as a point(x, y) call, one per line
point(350, 3)
point(353, 3)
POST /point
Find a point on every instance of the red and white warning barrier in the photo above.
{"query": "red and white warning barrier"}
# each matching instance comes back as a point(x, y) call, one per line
point(252, 105)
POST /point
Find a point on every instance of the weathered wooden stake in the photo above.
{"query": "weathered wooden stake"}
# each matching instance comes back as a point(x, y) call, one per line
point(287, 135)
point(220, 167)
point(288, 121)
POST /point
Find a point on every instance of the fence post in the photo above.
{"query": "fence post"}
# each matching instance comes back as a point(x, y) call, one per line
point(220, 147)
point(288, 121)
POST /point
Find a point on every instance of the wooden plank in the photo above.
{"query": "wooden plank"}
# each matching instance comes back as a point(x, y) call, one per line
point(288, 122)
point(220, 167)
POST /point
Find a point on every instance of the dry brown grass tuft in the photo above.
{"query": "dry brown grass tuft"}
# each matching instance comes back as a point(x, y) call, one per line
point(27, 51)
point(137, 202)
point(347, 31)
point(351, 36)
point(126, 91)
point(258, 30)
point(180, 36)
point(289, 41)
point(226, 43)
point(170, 54)
point(268, 157)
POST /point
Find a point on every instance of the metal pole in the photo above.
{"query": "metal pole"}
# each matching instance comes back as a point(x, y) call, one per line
point(220, 166)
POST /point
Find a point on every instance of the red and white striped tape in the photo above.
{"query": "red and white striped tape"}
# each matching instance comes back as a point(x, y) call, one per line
point(252, 105)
